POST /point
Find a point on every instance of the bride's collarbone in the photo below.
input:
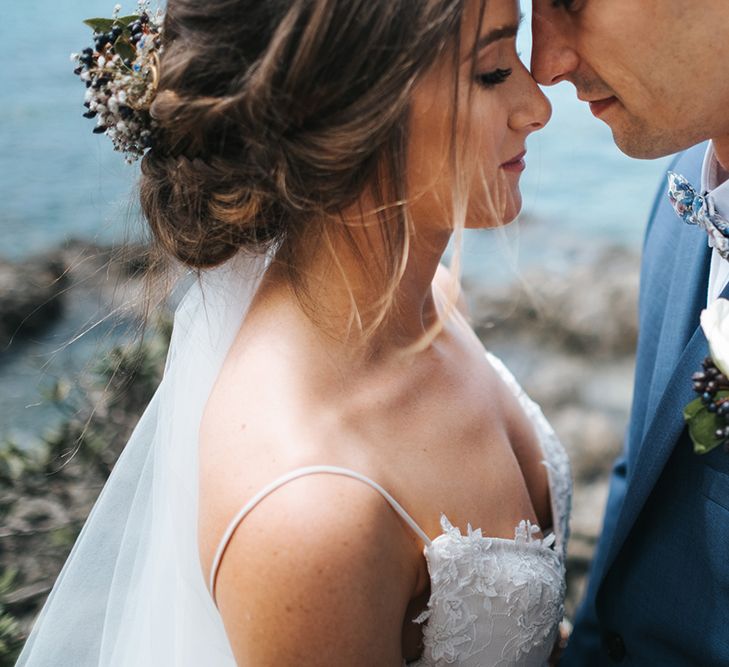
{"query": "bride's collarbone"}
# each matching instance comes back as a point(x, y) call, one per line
point(458, 445)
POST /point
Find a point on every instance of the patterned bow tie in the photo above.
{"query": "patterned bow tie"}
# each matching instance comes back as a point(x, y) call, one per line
point(696, 209)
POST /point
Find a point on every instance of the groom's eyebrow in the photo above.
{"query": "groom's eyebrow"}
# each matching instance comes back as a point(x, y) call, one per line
point(503, 32)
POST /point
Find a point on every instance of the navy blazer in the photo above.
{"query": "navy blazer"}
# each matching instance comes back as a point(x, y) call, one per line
point(658, 592)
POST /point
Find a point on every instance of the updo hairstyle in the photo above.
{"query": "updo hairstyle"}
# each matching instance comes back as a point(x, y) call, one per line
point(276, 115)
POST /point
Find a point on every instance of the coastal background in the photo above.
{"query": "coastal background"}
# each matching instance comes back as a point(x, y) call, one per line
point(554, 294)
point(59, 182)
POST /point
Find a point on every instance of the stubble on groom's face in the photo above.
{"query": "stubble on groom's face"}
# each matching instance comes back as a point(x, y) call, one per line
point(651, 70)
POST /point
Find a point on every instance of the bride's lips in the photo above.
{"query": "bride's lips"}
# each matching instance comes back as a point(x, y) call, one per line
point(516, 164)
point(598, 107)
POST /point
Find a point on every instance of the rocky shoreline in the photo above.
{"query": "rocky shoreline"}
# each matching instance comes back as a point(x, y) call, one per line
point(569, 338)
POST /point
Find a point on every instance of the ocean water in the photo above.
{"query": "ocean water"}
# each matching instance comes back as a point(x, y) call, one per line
point(59, 181)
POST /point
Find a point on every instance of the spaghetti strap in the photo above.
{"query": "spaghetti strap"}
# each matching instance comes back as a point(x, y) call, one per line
point(295, 474)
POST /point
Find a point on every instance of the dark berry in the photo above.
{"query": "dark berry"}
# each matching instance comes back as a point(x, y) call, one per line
point(136, 27)
point(711, 387)
point(78, 70)
point(88, 52)
point(699, 387)
point(698, 377)
point(144, 18)
point(90, 114)
point(711, 407)
point(707, 397)
point(99, 129)
point(126, 112)
point(116, 32)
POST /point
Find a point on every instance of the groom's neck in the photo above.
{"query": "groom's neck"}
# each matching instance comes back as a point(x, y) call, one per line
point(721, 148)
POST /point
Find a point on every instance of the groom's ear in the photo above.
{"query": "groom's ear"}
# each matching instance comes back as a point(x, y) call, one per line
point(553, 56)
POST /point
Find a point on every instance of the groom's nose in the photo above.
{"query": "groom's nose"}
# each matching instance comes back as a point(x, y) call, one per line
point(554, 58)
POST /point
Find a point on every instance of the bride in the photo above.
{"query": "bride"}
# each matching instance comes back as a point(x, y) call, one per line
point(333, 470)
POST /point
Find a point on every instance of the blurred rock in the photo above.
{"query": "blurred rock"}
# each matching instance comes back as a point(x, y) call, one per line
point(30, 296)
point(591, 310)
point(36, 292)
point(592, 439)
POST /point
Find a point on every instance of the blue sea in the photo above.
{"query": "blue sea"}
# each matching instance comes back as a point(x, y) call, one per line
point(59, 181)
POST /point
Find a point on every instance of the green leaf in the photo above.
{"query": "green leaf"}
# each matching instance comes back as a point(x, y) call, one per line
point(105, 25)
point(100, 25)
point(703, 424)
point(124, 21)
point(124, 49)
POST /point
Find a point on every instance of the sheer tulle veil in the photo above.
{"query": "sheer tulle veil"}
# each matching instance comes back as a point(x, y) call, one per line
point(132, 591)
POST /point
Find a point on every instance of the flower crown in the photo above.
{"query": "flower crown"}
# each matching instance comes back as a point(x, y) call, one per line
point(121, 74)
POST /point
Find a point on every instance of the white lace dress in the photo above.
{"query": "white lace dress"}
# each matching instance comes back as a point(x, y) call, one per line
point(493, 601)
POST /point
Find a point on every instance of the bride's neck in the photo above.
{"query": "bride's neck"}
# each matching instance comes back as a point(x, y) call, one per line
point(342, 293)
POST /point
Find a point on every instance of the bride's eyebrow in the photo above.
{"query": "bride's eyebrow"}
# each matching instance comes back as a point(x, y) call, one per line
point(502, 32)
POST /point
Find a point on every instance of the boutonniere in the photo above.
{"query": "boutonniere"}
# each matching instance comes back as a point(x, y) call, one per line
point(708, 416)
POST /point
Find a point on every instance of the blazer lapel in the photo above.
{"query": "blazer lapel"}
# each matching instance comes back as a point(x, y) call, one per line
point(665, 422)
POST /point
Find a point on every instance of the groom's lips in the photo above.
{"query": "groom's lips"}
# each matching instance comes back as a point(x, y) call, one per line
point(598, 107)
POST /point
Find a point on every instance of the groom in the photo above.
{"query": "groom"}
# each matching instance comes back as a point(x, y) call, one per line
point(656, 72)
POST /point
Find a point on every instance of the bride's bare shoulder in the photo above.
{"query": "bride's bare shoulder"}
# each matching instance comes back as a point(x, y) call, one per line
point(317, 571)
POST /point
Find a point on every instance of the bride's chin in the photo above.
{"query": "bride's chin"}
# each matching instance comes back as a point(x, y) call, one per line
point(490, 219)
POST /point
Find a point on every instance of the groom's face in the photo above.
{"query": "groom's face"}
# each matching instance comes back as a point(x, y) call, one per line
point(654, 70)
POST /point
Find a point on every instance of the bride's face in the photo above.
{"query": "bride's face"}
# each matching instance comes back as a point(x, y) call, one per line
point(498, 106)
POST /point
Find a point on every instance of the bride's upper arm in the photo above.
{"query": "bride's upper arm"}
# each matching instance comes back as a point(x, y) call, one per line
point(319, 573)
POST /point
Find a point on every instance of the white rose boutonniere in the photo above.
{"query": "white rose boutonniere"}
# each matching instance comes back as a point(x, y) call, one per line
point(708, 416)
point(715, 323)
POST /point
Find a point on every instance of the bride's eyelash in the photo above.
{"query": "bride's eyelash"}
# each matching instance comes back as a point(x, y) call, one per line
point(491, 79)
point(566, 4)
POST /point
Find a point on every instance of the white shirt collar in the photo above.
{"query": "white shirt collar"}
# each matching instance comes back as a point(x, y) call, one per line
point(715, 181)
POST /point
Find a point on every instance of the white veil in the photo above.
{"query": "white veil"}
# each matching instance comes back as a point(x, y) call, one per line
point(132, 591)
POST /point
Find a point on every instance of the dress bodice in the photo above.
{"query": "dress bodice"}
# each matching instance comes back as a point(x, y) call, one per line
point(493, 601)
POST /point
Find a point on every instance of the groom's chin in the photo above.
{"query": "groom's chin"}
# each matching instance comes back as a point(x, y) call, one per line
point(645, 146)
point(642, 142)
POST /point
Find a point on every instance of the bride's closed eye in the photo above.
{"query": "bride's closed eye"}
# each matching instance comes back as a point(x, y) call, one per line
point(494, 78)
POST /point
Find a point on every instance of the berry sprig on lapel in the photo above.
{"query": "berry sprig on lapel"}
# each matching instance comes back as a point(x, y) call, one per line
point(708, 416)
